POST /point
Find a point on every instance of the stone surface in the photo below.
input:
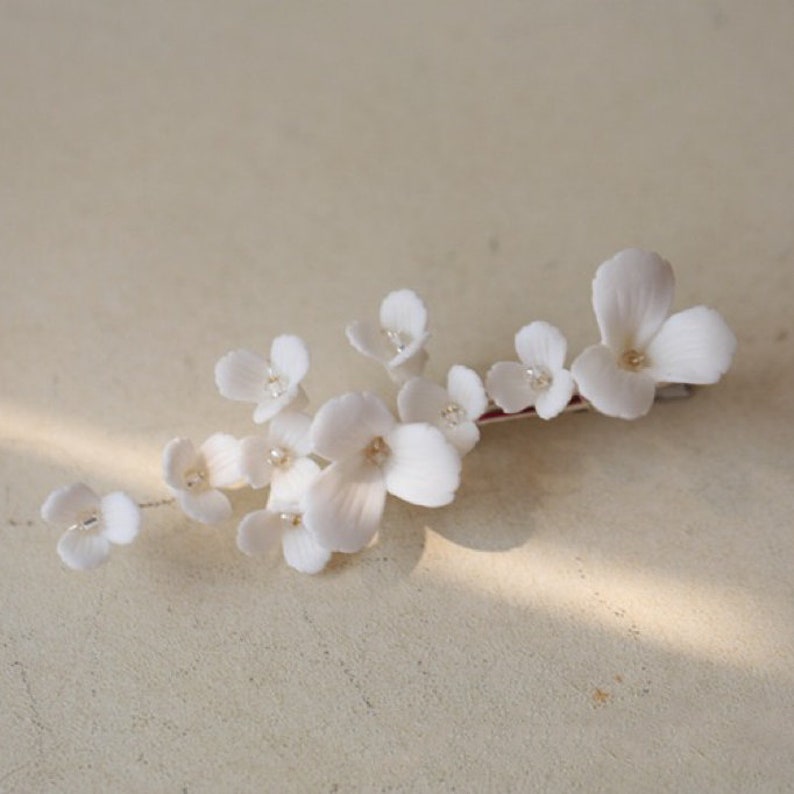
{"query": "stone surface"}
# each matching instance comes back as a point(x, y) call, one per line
point(607, 606)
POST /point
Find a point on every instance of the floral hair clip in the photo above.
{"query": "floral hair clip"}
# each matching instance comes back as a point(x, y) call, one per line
point(328, 475)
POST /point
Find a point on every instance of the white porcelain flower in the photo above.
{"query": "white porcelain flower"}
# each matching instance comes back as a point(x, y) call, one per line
point(453, 410)
point(371, 455)
point(281, 524)
point(399, 341)
point(280, 458)
point(272, 384)
point(540, 379)
point(262, 531)
point(91, 522)
point(194, 476)
point(640, 345)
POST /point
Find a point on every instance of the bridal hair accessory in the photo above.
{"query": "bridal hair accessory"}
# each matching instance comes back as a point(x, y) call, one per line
point(328, 476)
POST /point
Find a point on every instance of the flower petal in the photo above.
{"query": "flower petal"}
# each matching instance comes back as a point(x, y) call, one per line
point(612, 391)
point(403, 311)
point(121, 517)
point(632, 293)
point(83, 551)
point(302, 552)
point(221, 453)
point(290, 484)
point(541, 344)
point(259, 532)
point(65, 506)
point(293, 432)
point(179, 456)
point(254, 464)
point(508, 385)
point(422, 467)
point(421, 400)
point(272, 406)
point(346, 424)
point(241, 375)
point(344, 505)
point(466, 389)
point(551, 401)
point(369, 341)
point(289, 356)
point(463, 437)
point(206, 507)
point(693, 346)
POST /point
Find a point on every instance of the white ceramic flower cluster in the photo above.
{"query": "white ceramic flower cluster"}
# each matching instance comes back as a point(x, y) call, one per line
point(313, 510)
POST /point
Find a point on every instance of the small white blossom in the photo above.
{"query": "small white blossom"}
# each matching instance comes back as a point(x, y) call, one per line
point(272, 384)
point(194, 476)
point(91, 522)
point(453, 410)
point(281, 523)
point(539, 380)
point(280, 458)
point(640, 345)
point(262, 531)
point(398, 343)
point(371, 455)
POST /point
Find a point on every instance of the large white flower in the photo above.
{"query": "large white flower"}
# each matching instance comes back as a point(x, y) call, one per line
point(91, 522)
point(280, 458)
point(453, 410)
point(371, 455)
point(194, 476)
point(281, 523)
point(272, 384)
point(640, 345)
point(540, 379)
point(399, 341)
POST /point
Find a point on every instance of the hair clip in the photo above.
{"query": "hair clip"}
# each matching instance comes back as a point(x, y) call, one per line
point(328, 476)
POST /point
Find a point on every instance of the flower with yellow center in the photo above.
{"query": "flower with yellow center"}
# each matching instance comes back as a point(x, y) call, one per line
point(641, 346)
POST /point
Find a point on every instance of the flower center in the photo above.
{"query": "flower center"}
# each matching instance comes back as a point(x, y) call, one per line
point(195, 478)
point(86, 522)
point(377, 451)
point(274, 385)
point(632, 360)
point(452, 415)
point(539, 377)
point(293, 519)
point(396, 339)
point(278, 456)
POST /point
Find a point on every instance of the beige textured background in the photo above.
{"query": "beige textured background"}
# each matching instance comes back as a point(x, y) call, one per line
point(607, 606)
